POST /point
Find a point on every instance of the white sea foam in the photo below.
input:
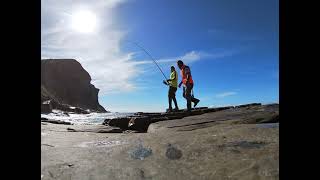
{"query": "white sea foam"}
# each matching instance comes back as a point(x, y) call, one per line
point(92, 118)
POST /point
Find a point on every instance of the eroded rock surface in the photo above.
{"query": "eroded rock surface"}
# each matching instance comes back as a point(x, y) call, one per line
point(228, 144)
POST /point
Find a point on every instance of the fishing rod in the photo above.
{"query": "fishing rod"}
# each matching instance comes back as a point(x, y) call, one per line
point(151, 58)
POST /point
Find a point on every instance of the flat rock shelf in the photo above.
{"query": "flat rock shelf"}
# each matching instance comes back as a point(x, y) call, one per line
point(209, 143)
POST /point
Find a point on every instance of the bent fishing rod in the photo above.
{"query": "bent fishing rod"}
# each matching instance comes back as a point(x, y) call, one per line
point(151, 58)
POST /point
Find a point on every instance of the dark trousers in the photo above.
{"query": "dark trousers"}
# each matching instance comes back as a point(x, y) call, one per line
point(187, 94)
point(172, 96)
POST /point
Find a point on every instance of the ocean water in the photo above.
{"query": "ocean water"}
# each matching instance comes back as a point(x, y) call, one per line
point(92, 118)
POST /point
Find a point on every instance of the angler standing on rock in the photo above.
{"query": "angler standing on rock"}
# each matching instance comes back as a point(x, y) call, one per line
point(187, 85)
point(173, 83)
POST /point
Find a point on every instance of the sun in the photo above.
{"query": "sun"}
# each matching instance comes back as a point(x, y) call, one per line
point(84, 21)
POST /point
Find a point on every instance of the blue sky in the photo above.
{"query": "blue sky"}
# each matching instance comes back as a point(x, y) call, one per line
point(231, 47)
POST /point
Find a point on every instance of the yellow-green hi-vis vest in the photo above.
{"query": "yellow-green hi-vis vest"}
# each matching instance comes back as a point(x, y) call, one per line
point(174, 79)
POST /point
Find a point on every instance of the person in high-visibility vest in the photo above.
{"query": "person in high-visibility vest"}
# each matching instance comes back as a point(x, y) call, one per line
point(173, 84)
point(187, 82)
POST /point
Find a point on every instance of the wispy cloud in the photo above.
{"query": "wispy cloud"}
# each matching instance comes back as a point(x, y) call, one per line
point(193, 56)
point(99, 52)
point(225, 94)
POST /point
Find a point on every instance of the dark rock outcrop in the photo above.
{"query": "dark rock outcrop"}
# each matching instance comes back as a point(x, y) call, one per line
point(66, 83)
point(118, 122)
point(55, 121)
point(46, 107)
point(140, 121)
point(244, 114)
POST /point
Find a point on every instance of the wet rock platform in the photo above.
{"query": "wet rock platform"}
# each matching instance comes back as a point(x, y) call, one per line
point(141, 121)
point(234, 143)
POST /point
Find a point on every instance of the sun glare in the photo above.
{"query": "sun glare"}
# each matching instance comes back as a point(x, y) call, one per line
point(84, 21)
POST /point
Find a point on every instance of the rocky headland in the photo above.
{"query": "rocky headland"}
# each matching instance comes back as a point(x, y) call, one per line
point(65, 85)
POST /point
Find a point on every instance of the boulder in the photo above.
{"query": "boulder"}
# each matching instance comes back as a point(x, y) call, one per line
point(140, 124)
point(118, 122)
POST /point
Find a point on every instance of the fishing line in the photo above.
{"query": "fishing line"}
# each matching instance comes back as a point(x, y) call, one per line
point(150, 57)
